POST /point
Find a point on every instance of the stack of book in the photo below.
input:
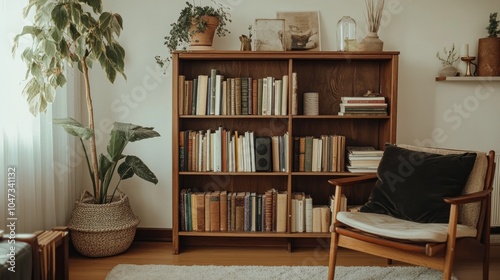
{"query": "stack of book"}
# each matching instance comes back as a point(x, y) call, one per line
point(363, 106)
point(363, 159)
point(307, 217)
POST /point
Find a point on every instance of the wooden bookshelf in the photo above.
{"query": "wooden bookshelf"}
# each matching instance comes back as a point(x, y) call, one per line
point(333, 75)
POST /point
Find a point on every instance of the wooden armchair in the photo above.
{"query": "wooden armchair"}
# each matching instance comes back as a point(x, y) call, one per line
point(430, 245)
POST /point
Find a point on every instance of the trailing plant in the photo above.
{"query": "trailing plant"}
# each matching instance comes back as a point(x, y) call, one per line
point(69, 32)
point(450, 56)
point(181, 31)
point(492, 27)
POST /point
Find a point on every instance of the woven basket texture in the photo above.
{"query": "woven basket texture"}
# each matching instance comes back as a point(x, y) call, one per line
point(101, 230)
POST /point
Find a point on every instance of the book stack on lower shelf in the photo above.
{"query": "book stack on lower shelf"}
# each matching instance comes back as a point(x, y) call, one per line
point(362, 159)
point(233, 211)
point(363, 106)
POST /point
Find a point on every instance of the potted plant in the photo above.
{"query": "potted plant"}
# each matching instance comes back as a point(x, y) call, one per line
point(489, 50)
point(450, 57)
point(374, 12)
point(76, 32)
point(196, 26)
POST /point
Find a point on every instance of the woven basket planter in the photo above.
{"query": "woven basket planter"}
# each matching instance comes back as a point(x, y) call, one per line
point(101, 230)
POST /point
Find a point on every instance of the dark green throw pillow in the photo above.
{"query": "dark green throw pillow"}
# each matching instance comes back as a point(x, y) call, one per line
point(412, 185)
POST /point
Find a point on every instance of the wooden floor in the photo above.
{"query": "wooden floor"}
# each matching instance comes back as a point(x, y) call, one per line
point(160, 253)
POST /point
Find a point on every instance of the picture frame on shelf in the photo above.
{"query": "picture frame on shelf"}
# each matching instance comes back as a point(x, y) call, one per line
point(302, 30)
point(268, 35)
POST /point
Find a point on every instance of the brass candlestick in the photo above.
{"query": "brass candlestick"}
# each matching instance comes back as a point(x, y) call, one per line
point(468, 59)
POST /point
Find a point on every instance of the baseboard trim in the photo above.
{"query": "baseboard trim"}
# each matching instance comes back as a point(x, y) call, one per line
point(153, 234)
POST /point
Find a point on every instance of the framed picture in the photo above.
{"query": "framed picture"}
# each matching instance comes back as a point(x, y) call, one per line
point(301, 30)
point(268, 35)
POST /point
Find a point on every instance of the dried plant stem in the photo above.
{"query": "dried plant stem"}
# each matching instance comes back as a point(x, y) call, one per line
point(374, 14)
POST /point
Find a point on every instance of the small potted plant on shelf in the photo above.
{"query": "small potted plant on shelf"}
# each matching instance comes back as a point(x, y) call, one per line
point(196, 27)
point(489, 50)
point(78, 32)
point(447, 61)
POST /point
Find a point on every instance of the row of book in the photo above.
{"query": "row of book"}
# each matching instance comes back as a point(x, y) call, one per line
point(363, 106)
point(233, 211)
point(224, 150)
point(319, 154)
point(308, 217)
point(363, 159)
point(214, 94)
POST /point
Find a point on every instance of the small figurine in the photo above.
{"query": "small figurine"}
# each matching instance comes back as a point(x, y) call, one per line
point(370, 93)
point(245, 43)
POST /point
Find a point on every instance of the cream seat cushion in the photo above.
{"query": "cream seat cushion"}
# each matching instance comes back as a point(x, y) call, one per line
point(388, 226)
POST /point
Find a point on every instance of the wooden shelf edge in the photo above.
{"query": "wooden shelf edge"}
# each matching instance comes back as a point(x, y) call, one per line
point(264, 173)
point(469, 79)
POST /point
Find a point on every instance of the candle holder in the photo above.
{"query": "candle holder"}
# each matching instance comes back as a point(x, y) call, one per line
point(468, 60)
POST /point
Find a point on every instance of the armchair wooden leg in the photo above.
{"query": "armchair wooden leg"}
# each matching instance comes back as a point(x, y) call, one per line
point(486, 265)
point(333, 255)
point(389, 261)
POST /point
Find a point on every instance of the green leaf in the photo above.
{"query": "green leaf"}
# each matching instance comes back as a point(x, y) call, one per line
point(76, 10)
point(74, 128)
point(49, 94)
point(63, 48)
point(110, 71)
point(80, 47)
point(61, 80)
point(105, 20)
point(56, 34)
point(60, 16)
point(140, 169)
point(125, 171)
point(134, 132)
point(104, 165)
point(31, 92)
point(50, 48)
point(116, 145)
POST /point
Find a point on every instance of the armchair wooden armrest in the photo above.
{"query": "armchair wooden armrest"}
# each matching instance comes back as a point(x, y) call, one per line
point(468, 198)
point(350, 181)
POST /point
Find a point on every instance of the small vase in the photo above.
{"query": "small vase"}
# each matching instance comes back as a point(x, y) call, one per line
point(448, 71)
point(371, 43)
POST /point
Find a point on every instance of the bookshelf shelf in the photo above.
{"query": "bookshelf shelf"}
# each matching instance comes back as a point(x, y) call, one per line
point(468, 79)
point(333, 75)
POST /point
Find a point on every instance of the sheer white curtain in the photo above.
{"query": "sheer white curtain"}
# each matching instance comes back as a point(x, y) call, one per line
point(44, 157)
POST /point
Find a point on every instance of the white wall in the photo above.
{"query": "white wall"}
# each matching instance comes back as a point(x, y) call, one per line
point(428, 111)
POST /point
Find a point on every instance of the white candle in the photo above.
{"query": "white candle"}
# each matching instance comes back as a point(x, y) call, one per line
point(464, 50)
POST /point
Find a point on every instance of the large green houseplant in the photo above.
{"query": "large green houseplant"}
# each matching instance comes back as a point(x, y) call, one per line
point(77, 32)
point(194, 20)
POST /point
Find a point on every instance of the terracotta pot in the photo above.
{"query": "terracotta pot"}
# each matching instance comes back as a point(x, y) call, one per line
point(204, 38)
point(488, 57)
point(371, 43)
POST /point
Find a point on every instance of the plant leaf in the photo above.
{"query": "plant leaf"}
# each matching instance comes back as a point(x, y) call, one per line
point(134, 132)
point(105, 20)
point(74, 128)
point(125, 171)
point(80, 47)
point(116, 145)
point(60, 16)
point(104, 165)
point(140, 169)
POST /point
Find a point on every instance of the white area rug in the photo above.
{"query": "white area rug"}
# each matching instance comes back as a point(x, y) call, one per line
point(197, 272)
